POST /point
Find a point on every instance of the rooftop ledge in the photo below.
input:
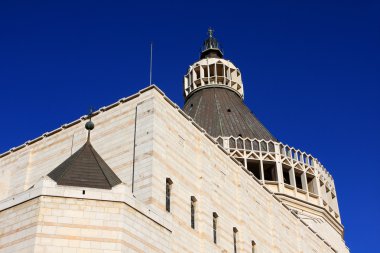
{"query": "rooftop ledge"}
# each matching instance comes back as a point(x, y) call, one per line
point(49, 188)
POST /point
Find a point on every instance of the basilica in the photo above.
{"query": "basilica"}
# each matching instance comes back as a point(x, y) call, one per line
point(144, 175)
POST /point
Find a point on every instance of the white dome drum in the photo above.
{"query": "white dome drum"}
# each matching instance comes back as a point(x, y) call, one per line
point(212, 72)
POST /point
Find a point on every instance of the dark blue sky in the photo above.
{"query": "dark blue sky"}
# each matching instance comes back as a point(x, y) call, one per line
point(310, 70)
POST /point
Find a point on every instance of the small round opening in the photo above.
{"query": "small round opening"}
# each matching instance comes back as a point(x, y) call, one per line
point(228, 110)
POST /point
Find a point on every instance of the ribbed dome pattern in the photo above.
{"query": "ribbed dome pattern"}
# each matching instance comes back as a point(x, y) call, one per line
point(221, 112)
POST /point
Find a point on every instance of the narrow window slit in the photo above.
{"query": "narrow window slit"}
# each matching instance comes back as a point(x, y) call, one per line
point(169, 184)
point(253, 244)
point(193, 206)
point(235, 239)
point(214, 225)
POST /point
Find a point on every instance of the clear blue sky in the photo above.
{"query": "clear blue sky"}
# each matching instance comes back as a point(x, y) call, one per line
point(310, 70)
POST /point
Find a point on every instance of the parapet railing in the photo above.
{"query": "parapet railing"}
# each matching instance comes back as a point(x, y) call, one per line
point(255, 149)
point(270, 147)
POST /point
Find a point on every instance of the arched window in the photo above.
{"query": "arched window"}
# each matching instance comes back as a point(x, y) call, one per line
point(193, 206)
point(169, 184)
point(235, 239)
point(214, 226)
point(253, 245)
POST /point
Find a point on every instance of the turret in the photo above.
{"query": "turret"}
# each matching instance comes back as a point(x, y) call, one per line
point(214, 93)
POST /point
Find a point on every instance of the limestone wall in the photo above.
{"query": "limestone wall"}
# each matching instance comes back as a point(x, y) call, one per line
point(18, 227)
point(71, 225)
point(113, 138)
point(199, 168)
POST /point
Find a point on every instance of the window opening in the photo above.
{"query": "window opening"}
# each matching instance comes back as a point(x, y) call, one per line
point(271, 147)
point(248, 144)
point(169, 184)
point(193, 205)
point(219, 69)
point(235, 239)
point(240, 143)
point(197, 73)
point(214, 225)
point(263, 146)
point(270, 171)
point(286, 174)
point(253, 244)
point(254, 167)
point(298, 175)
point(310, 183)
point(255, 145)
point(205, 70)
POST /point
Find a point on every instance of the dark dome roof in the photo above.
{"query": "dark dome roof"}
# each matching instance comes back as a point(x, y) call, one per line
point(85, 168)
point(221, 112)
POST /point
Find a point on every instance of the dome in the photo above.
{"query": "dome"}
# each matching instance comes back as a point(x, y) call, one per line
point(221, 112)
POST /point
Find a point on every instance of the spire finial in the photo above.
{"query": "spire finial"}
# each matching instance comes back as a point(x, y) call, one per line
point(210, 32)
point(211, 47)
point(89, 125)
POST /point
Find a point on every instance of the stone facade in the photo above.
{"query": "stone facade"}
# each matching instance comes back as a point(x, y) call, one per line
point(146, 140)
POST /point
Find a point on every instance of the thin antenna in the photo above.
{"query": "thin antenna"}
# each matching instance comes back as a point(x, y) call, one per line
point(151, 65)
